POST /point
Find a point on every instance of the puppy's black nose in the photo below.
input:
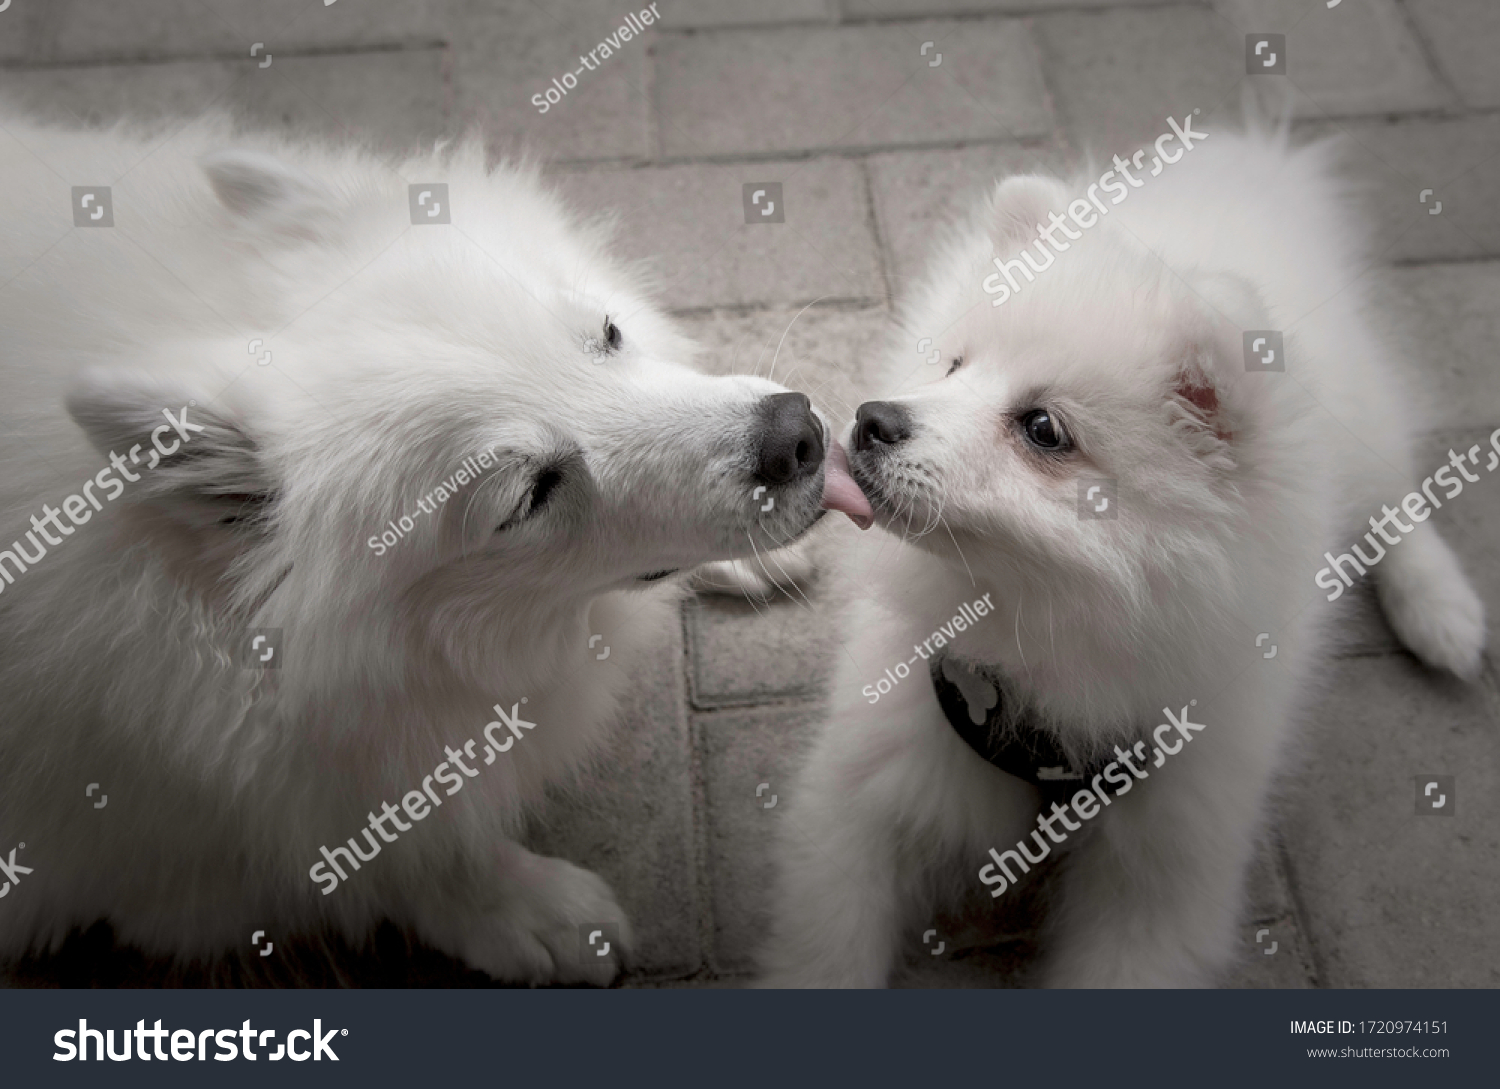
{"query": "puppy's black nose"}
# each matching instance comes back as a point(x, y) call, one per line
point(791, 440)
point(881, 423)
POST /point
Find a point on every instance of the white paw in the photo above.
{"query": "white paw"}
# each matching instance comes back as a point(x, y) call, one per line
point(540, 932)
point(1435, 612)
point(759, 577)
point(1446, 634)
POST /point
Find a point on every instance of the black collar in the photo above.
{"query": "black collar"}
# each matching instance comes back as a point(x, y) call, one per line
point(1007, 737)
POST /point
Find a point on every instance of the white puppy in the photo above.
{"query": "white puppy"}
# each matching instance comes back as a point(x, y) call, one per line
point(1105, 505)
point(416, 419)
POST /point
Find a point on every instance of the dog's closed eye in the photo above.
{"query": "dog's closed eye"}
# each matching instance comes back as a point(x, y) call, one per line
point(543, 487)
point(958, 361)
point(547, 482)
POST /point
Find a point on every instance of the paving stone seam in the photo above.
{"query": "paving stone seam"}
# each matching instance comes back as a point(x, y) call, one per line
point(809, 706)
point(1060, 138)
point(147, 60)
point(448, 73)
point(655, 142)
point(1450, 116)
point(1318, 971)
point(1430, 55)
point(799, 154)
point(1436, 114)
point(697, 780)
point(1020, 11)
point(1439, 262)
point(733, 702)
point(884, 260)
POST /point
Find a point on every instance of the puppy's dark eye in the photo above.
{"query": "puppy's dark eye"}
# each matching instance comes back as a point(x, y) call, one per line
point(612, 336)
point(1043, 430)
point(957, 363)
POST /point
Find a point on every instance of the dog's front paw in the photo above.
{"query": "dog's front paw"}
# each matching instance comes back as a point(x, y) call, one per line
point(761, 577)
point(1448, 634)
point(555, 923)
point(1432, 607)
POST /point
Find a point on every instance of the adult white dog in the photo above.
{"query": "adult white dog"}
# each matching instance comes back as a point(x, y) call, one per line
point(1141, 501)
point(415, 420)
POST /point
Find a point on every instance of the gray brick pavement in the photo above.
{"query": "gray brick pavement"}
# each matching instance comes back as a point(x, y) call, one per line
point(1391, 162)
point(1461, 35)
point(1362, 58)
point(630, 818)
point(919, 193)
point(855, 87)
point(689, 223)
point(1394, 899)
point(1116, 74)
point(740, 751)
point(1450, 316)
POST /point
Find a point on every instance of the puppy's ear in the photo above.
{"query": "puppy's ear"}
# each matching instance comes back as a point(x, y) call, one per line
point(1020, 205)
point(192, 458)
point(262, 191)
point(1214, 309)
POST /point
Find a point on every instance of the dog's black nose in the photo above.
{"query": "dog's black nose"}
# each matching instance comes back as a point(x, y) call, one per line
point(881, 423)
point(791, 442)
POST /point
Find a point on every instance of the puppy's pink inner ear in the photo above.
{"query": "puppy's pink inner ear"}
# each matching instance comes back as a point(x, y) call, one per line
point(1200, 393)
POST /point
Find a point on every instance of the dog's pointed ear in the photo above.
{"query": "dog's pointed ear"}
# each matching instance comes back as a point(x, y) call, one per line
point(1020, 205)
point(261, 190)
point(184, 450)
point(1217, 307)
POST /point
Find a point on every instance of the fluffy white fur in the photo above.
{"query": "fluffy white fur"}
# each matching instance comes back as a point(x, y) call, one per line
point(1231, 486)
point(397, 351)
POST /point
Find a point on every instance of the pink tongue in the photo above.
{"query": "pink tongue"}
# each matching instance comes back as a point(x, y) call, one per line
point(840, 492)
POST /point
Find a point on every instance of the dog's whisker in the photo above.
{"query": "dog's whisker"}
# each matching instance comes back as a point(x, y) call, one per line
point(771, 373)
point(755, 598)
point(816, 393)
point(961, 556)
point(790, 581)
point(770, 553)
point(463, 525)
point(1021, 601)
